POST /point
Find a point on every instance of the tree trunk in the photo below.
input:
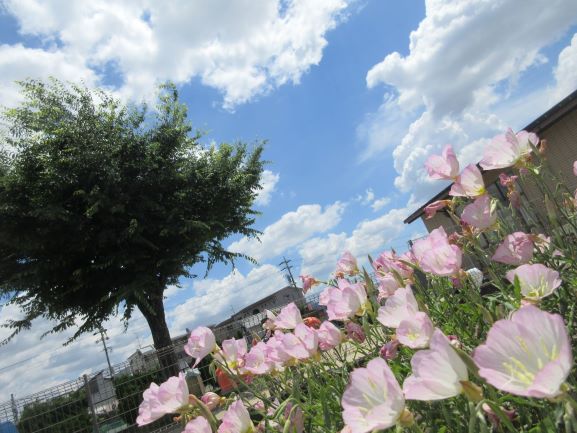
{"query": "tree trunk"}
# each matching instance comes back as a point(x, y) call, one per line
point(160, 334)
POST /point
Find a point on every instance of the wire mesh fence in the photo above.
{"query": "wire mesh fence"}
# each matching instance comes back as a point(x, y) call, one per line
point(107, 401)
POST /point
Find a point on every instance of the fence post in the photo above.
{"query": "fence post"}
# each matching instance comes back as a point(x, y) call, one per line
point(200, 384)
point(14, 408)
point(95, 428)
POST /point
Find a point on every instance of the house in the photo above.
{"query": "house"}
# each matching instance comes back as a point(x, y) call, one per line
point(248, 321)
point(102, 393)
point(558, 126)
point(140, 361)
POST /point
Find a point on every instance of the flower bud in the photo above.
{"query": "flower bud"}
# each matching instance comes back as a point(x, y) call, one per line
point(454, 340)
point(389, 350)
point(355, 332)
point(211, 400)
point(494, 418)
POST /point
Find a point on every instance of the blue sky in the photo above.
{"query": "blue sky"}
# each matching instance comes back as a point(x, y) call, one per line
point(351, 95)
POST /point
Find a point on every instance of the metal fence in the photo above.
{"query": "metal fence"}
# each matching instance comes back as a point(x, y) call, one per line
point(107, 401)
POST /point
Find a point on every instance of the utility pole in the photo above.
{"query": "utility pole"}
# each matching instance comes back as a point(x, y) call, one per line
point(287, 268)
point(103, 338)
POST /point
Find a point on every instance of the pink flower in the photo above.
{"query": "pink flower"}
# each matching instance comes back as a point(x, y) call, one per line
point(416, 332)
point(200, 343)
point(275, 350)
point(508, 149)
point(389, 350)
point(308, 336)
point(436, 255)
point(294, 347)
point(388, 263)
point(527, 355)
point(347, 265)
point(536, 281)
point(445, 166)
point(256, 361)
point(575, 168)
point(329, 336)
point(210, 399)
point(308, 282)
point(373, 399)
point(198, 425)
point(516, 249)
point(438, 372)
point(355, 332)
point(432, 209)
point(388, 284)
point(233, 352)
point(236, 419)
point(401, 306)
point(169, 397)
point(289, 317)
point(469, 183)
point(481, 214)
point(344, 301)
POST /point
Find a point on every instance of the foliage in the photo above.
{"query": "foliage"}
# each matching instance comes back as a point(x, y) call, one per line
point(129, 389)
point(103, 205)
point(64, 414)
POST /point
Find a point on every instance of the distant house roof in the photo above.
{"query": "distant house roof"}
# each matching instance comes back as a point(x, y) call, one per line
point(539, 124)
point(266, 298)
point(253, 306)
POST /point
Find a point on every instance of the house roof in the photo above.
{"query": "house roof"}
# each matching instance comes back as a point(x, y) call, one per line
point(538, 125)
point(253, 305)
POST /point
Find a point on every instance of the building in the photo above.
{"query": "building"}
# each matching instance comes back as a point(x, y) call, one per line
point(141, 361)
point(558, 126)
point(102, 393)
point(248, 321)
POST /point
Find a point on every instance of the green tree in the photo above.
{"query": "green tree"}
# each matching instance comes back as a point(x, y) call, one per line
point(103, 205)
point(63, 414)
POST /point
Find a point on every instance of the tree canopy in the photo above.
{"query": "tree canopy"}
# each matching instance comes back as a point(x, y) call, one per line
point(102, 205)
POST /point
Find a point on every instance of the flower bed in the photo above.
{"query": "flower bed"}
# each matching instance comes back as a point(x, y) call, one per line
point(421, 348)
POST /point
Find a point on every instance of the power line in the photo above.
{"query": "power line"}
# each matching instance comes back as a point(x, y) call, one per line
point(288, 268)
point(103, 338)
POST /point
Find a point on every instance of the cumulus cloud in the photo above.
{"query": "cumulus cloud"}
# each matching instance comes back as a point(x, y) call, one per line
point(320, 254)
point(268, 183)
point(18, 62)
point(463, 66)
point(30, 363)
point(290, 230)
point(216, 299)
point(380, 203)
point(243, 48)
point(565, 76)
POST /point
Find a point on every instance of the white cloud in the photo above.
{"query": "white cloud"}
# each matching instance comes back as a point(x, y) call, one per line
point(172, 291)
point(380, 203)
point(268, 183)
point(215, 300)
point(290, 230)
point(30, 364)
point(384, 129)
point(565, 76)
point(319, 255)
point(366, 198)
point(243, 48)
point(462, 70)
point(18, 62)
